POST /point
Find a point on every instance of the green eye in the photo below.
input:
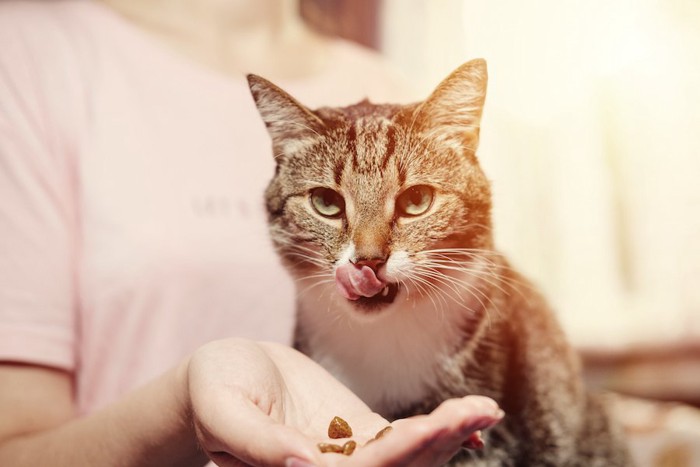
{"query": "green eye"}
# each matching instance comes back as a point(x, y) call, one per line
point(327, 202)
point(414, 201)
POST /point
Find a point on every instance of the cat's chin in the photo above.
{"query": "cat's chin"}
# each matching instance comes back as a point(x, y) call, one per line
point(377, 303)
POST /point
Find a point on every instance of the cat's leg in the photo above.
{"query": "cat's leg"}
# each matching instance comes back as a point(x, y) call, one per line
point(602, 442)
point(497, 457)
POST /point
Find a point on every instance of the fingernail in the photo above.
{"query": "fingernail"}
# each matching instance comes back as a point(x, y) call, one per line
point(297, 462)
point(485, 402)
point(499, 414)
point(475, 441)
point(493, 403)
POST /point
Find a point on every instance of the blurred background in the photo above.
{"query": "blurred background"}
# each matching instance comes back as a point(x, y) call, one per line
point(591, 136)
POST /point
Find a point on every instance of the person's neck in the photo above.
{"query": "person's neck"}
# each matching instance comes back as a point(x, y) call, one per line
point(266, 37)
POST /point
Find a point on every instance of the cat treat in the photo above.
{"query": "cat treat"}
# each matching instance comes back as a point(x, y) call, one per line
point(349, 447)
point(346, 449)
point(383, 432)
point(339, 428)
point(380, 434)
point(330, 447)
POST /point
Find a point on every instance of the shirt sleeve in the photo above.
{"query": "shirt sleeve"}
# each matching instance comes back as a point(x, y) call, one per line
point(38, 220)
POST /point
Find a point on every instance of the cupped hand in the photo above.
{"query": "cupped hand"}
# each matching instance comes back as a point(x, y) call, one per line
point(266, 404)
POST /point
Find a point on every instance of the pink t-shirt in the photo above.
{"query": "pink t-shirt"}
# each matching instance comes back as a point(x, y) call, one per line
point(132, 228)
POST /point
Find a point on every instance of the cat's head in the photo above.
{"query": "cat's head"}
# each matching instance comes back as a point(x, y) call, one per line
point(387, 202)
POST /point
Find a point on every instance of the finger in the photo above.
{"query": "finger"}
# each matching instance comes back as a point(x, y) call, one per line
point(463, 419)
point(237, 429)
point(474, 441)
point(467, 414)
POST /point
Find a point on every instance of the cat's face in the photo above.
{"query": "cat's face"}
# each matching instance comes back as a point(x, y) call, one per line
point(385, 201)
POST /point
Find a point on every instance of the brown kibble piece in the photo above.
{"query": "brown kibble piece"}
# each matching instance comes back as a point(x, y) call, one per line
point(383, 432)
point(380, 434)
point(330, 447)
point(339, 428)
point(349, 447)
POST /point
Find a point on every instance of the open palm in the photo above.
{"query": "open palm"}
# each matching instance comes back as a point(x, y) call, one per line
point(267, 404)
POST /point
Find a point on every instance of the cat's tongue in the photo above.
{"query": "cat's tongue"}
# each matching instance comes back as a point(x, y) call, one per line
point(355, 281)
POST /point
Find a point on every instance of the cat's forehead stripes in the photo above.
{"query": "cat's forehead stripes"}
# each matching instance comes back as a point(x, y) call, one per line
point(390, 146)
point(370, 144)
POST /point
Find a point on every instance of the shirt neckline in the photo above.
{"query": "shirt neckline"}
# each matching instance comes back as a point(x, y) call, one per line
point(155, 50)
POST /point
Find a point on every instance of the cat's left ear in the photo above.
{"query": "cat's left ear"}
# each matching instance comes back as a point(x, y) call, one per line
point(289, 123)
point(455, 106)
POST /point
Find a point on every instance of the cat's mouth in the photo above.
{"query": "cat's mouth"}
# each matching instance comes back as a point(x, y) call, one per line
point(361, 285)
point(385, 297)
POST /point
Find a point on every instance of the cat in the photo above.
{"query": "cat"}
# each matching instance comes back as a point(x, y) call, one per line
point(382, 215)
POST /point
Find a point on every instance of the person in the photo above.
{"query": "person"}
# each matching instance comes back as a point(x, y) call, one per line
point(139, 294)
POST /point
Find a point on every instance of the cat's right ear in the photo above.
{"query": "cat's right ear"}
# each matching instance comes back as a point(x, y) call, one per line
point(454, 108)
point(290, 124)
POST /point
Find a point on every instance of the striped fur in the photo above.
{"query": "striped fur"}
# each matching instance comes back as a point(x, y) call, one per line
point(463, 321)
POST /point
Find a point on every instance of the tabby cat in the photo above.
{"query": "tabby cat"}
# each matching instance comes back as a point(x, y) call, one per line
point(382, 215)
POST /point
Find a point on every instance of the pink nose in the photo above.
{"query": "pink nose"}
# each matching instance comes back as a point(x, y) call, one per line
point(374, 263)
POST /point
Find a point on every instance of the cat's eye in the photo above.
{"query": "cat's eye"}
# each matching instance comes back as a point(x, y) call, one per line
point(327, 202)
point(414, 201)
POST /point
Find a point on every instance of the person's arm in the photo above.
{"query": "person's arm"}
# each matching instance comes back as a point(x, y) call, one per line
point(149, 427)
point(243, 402)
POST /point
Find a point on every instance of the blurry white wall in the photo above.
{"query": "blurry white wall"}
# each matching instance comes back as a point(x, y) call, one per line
point(591, 136)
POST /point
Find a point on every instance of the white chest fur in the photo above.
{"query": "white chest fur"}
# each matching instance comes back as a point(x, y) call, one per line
point(390, 360)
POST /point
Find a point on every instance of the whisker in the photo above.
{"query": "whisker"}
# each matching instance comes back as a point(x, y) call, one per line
point(481, 274)
point(305, 258)
point(447, 255)
point(314, 276)
point(453, 282)
point(421, 289)
point(306, 290)
point(429, 286)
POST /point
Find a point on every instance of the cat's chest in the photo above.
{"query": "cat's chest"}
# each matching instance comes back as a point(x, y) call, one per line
point(391, 361)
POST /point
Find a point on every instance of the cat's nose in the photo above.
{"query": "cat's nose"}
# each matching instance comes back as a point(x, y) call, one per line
point(372, 263)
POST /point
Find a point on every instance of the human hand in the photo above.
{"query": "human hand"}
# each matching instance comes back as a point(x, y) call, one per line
point(267, 404)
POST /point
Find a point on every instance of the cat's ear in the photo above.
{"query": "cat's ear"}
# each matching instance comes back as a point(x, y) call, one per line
point(454, 108)
point(289, 123)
